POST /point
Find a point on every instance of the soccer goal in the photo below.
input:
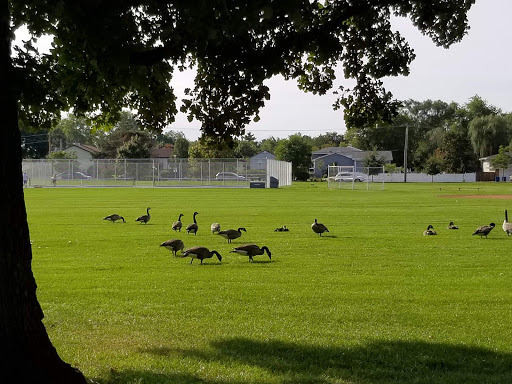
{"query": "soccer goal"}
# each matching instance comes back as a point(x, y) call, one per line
point(350, 177)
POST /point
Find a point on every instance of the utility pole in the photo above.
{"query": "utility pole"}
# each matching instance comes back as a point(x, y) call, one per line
point(405, 151)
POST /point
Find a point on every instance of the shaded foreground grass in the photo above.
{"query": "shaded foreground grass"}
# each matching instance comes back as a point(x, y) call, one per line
point(373, 301)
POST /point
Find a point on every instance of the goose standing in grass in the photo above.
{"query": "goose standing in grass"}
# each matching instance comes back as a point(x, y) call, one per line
point(114, 217)
point(176, 226)
point(281, 229)
point(251, 250)
point(200, 253)
point(192, 228)
point(319, 228)
point(452, 226)
point(507, 227)
point(232, 234)
point(144, 218)
point(215, 227)
point(484, 230)
point(173, 245)
point(429, 231)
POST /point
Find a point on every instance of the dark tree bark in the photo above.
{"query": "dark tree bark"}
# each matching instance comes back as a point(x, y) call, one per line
point(26, 353)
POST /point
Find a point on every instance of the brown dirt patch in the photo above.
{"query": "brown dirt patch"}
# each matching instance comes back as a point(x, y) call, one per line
point(502, 197)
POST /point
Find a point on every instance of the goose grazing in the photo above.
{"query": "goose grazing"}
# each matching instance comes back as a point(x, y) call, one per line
point(176, 226)
point(281, 229)
point(507, 227)
point(484, 230)
point(452, 226)
point(251, 250)
point(113, 218)
point(144, 218)
point(215, 227)
point(319, 228)
point(173, 245)
point(429, 231)
point(192, 228)
point(200, 253)
point(231, 234)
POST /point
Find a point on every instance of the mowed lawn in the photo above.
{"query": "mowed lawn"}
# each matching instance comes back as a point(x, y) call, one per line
point(372, 301)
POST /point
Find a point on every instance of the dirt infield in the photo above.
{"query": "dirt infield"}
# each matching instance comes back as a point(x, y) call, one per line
point(501, 197)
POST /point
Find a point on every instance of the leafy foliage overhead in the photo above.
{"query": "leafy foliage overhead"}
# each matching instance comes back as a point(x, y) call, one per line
point(112, 54)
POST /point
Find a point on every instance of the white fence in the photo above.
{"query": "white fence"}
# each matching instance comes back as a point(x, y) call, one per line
point(280, 170)
point(153, 172)
point(424, 178)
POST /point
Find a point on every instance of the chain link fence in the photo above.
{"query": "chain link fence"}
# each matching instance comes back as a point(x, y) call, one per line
point(171, 172)
point(349, 177)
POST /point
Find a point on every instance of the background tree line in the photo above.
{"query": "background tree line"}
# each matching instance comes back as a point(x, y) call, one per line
point(442, 137)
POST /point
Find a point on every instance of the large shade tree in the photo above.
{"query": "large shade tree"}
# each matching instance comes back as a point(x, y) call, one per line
point(111, 54)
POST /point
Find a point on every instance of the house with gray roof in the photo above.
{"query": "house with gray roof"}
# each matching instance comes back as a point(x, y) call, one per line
point(259, 161)
point(342, 156)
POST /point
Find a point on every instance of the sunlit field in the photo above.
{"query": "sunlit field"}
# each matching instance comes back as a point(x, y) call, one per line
point(371, 301)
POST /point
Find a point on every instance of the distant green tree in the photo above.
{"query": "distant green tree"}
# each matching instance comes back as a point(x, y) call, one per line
point(269, 144)
point(244, 149)
point(169, 137)
point(249, 137)
point(205, 148)
point(487, 133)
point(434, 164)
point(297, 150)
point(135, 148)
point(121, 133)
point(181, 146)
point(62, 155)
point(390, 168)
point(478, 107)
point(72, 130)
point(328, 139)
point(459, 156)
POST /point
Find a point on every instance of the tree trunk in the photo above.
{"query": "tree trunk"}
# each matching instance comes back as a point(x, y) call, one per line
point(26, 353)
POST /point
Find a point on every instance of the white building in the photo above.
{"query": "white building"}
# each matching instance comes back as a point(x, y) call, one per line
point(487, 167)
point(82, 151)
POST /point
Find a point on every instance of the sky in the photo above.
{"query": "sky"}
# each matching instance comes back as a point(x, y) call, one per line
point(478, 65)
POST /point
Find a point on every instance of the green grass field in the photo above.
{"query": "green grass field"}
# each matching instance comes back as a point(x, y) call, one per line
point(373, 301)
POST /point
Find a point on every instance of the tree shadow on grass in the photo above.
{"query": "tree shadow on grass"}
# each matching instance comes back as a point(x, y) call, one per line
point(380, 362)
point(148, 377)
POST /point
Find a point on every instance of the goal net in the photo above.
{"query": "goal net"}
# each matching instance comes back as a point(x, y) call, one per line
point(360, 178)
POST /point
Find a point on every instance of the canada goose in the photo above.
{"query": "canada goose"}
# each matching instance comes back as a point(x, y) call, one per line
point(231, 234)
point(429, 231)
point(507, 227)
point(281, 229)
point(484, 230)
point(319, 228)
point(176, 226)
point(215, 227)
point(452, 226)
point(113, 218)
point(144, 218)
point(251, 250)
point(200, 253)
point(192, 228)
point(173, 245)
